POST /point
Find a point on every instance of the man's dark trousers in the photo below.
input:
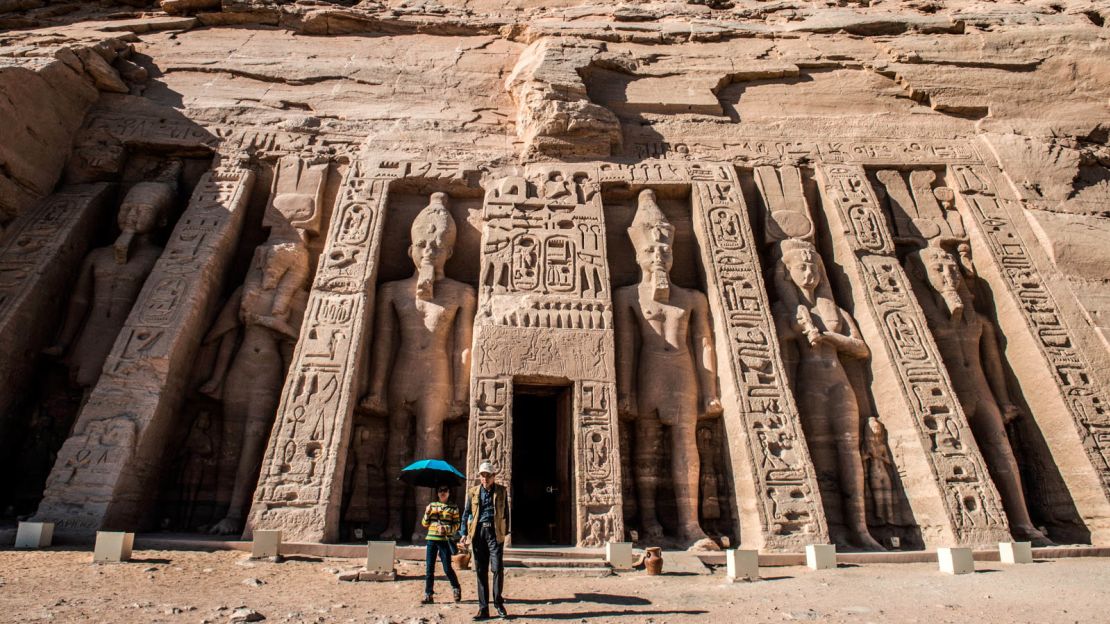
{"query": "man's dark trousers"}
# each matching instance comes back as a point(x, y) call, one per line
point(488, 553)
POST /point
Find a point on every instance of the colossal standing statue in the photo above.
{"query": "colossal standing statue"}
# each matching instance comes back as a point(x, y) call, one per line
point(256, 332)
point(809, 320)
point(970, 351)
point(666, 373)
point(111, 278)
point(420, 369)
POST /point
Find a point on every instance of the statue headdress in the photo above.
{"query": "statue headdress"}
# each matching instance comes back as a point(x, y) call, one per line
point(649, 224)
point(435, 219)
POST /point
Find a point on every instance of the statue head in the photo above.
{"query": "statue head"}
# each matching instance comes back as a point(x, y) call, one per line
point(803, 264)
point(939, 270)
point(875, 427)
point(142, 211)
point(433, 241)
point(652, 236)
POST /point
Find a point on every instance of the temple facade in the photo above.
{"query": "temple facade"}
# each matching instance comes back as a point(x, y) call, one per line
point(696, 291)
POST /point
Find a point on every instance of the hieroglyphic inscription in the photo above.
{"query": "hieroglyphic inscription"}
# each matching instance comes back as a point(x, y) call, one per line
point(120, 434)
point(39, 258)
point(545, 310)
point(301, 482)
point(787, 151)
point(790, 512)
point(1079, 383)
point(971, 500)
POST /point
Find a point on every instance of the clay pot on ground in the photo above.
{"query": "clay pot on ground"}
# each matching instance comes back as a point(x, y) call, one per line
point(461, 560)
point(653, 562)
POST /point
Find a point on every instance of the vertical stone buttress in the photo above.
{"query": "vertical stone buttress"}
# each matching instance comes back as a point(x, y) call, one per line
point(780, 505)
point(545, 311)
point(40, 257)
point(104, 475)
point(300, 487)
point(949, 489)
point(1065, 390)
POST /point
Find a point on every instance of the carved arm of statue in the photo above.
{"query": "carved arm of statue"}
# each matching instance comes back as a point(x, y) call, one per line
point(991, 354)
point(785, 323)
point(381, 355)
point(625, 327)
point(76, 310)
point(705, 357)
point(851, 343)
point(464, 335)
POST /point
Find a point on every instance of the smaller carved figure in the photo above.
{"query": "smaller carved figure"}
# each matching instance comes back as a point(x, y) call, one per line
point(969, 348)
point(111, 278)
point(816, 333)
point(198, 459)
point(666, 373)
point(876, 455)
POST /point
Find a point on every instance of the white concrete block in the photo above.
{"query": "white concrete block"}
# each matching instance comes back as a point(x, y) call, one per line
point(619, 555)
point(821, 556)
point(34, 534)
point(955, 560)
point(742, 564)
point(1015, 552)
point(379, 556)
point(266, 544)
point(112, 547)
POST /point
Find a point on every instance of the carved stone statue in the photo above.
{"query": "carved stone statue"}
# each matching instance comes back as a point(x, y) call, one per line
point(970, 350)
point(809, 320)
point(256, 331)
point(666, 373)
point(197, 459)
point(111, 278)
point(876, 456)
point(420, 369)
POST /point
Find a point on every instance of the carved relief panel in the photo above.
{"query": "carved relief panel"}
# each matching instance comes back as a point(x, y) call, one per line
point(544, 311)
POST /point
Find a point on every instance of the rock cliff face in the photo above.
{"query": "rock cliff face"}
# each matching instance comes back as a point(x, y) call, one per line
point(874, 252)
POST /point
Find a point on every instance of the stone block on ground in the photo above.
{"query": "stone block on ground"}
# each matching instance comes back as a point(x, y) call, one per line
point(113, 547)
point(266, 544)
point(955, 560)
point(1015, 552)
point(821, 556)
point(379, 558)
point(619, 555)
point(34, 534)
point(742, 564)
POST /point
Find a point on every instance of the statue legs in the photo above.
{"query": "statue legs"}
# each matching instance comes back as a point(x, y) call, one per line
point(648, 456)
point(686, 472)
point(990, 434)
point(430, 416)
point(252, 392)
point(398, 455)
point(832, 429)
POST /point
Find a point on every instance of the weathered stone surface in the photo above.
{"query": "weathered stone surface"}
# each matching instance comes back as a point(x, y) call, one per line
point(936, 172)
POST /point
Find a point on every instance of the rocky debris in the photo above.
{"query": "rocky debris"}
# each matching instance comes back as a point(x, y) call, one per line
point(244, 614)
point(254, 582)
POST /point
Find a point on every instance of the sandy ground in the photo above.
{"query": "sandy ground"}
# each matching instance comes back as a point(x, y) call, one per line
point(60, 585)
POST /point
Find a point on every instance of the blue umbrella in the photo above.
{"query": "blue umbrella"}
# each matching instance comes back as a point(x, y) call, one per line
point(432, 473)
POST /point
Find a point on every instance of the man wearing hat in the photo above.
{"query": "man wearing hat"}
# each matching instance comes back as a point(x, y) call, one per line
point(485, 525)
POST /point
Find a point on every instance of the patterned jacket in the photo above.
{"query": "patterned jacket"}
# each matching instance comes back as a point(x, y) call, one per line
point(442, 520)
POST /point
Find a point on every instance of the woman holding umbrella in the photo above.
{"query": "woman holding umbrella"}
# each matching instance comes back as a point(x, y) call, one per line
point(441, 518)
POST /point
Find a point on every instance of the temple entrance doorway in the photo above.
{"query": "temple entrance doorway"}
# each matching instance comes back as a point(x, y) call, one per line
point(543, 484)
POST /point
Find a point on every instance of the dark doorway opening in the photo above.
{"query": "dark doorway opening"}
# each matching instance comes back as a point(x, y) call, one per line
point(542, 488)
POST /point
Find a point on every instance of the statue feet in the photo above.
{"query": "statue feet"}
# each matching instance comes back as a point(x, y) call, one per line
point(864, 540)
point(392, 532)
point(227, 526)
point(696, 539)
point(653, 532)
point(1033, 536)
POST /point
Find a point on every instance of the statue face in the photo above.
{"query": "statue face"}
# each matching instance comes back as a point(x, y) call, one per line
point(139, 216)
point(431, 250)
point(655, 257)
point(941, 270)
point(803, 268)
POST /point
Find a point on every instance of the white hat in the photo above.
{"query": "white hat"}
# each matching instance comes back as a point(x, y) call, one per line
point(486, 468)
